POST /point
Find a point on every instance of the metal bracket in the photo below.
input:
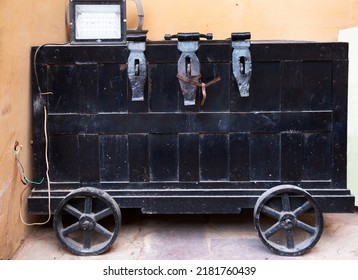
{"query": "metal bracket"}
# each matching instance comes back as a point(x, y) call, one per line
point(137, 65)
point(189, 64)
point(140, 12)
point(241, 61)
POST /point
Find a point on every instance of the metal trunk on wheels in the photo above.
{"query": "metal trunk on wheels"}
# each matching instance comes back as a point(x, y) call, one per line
point(191, 125)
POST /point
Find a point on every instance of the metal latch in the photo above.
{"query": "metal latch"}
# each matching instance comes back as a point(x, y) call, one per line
point(189, 64)
point(241, 61)
point(137, 65)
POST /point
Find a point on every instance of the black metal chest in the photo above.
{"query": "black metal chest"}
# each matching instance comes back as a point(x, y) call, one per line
point(161, 156)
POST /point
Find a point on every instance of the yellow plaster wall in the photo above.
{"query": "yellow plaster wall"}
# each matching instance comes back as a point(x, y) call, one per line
point(265, 19)
point(24, 23)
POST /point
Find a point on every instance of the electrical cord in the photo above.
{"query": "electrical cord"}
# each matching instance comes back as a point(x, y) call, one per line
point(24, 179)
point(47, 177)
point(35, 65)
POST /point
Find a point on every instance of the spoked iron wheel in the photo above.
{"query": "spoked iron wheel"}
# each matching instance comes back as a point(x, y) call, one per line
point(288, 220)
point(87, 221)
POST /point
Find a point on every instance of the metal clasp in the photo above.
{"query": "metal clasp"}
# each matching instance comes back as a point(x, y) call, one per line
point(137, 65)
point(241, 61)
point(189, 64)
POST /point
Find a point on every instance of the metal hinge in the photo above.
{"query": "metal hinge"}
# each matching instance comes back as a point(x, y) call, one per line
point(241, 61)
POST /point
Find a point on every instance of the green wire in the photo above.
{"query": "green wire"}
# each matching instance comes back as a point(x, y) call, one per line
point(21, 169)
point(32, 182)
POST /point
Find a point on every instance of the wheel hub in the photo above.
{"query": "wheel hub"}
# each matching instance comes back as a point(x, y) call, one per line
point(288, 221)
point(87, 223)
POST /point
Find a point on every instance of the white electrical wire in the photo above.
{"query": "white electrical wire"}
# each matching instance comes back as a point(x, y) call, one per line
point(47, 177)
point(46, 142)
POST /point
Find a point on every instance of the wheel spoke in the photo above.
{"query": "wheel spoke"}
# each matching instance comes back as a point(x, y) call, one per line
point(302, 209)
point(290, 241)
point(285, 202)
point(290, 232)
point(272, 230)
point(102, 230)
point(72, 228)
point(82, 234)
point(87, 239)
point(72, 211)
point(103, 214)
point(271, 212)
point(88, 204)
point(307, 228)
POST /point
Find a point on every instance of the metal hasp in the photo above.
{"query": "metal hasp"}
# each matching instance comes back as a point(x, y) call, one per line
point(241, 61)
point(137, 65)
point(189, 64)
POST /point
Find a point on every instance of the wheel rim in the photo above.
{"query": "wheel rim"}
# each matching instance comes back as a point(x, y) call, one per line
point(288, 220)
point(87, 221)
